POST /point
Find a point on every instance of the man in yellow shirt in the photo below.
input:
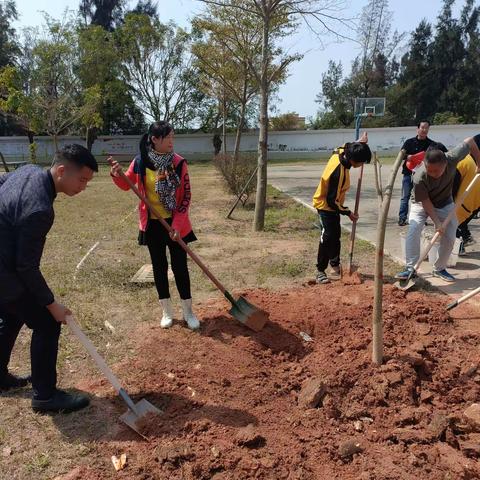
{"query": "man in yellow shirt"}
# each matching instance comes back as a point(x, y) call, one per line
point(329, 199)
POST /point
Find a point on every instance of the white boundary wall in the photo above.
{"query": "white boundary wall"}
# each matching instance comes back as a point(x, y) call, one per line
point(290, 144)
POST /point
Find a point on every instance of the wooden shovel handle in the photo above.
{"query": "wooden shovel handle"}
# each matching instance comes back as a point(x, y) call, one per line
point(464, 298)
point(85, 341)
point(158, 214)
point(354, 224)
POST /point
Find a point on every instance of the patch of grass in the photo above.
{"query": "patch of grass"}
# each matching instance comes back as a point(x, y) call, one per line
point(290, 268)
point(38, 463)
point(284, 214)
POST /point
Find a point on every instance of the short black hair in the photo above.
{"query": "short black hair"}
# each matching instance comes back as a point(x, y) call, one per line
point(358, 152)
point(435, 153)
point(476, 139)
point(77, 154)
point(423, 121)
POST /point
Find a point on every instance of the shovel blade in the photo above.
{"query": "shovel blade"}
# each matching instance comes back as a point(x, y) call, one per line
point(139, 419)
point(405, 284)
point(248, 314)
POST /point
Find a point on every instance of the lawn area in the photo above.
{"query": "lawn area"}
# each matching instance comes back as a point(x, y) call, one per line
point(41, 447)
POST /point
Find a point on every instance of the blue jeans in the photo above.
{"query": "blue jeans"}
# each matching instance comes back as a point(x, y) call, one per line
point(407, 186)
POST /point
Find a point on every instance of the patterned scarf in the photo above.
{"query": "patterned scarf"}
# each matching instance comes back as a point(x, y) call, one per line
point(167, 179)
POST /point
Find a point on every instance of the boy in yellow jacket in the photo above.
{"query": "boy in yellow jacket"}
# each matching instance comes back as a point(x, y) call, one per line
point(329, 199)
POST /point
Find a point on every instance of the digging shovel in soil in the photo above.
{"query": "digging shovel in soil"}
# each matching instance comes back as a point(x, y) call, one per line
point(246, 313)
point(138, 413)
point(409, 282)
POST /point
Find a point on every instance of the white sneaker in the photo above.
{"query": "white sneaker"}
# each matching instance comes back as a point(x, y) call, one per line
point(167, 317)
point(189, 316)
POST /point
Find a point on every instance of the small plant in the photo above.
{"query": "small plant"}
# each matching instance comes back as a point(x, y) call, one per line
point(237, 173)
point(32, 149)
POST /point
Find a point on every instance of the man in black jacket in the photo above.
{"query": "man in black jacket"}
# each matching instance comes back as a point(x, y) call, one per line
point(413, 145)
point(26, 216)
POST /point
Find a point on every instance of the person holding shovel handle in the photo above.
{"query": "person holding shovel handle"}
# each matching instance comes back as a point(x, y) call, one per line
point(26, 216)
point(162, 176)
point(432, 197)
point(328, 200)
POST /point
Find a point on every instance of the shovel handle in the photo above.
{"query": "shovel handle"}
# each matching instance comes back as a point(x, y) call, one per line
point(190, 252)
point(463, 299)
point(453, 212)
point(84, 340)
point(354, 224)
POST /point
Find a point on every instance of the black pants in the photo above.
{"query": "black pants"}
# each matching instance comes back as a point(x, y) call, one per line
point(329, 245)
point(463, 231)
point(44, 344)
point(157, 240)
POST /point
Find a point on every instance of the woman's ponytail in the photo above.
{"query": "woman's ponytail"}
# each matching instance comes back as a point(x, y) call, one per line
point(144, 148)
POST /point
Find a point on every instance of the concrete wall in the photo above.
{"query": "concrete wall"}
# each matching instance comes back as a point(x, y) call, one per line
point(294, 144)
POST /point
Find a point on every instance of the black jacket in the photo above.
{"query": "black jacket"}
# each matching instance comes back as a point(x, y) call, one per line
point(26, 216)
point(415, 145)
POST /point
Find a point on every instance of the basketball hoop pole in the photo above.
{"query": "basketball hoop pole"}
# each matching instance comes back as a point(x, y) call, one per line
point(358, 123)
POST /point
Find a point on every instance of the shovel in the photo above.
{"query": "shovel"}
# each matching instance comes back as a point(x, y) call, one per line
point(245, 312)
point(351, 267)
point(409, 282)
point(137, 413)
point(462, 299)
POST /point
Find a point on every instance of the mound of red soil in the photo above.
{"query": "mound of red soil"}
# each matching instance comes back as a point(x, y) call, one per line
point(272, 405)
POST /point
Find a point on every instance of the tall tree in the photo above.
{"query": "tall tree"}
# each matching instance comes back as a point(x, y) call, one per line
point(157, 68)
point(9, 48)
point(105, 13)
point(225, 57)
point(277, 19)
point(9, 52)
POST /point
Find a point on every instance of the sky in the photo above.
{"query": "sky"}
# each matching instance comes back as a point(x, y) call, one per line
point(303, 83)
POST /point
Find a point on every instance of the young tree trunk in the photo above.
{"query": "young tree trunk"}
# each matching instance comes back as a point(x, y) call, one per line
point(261, 195)
point(55, 143)
point(90, 137)
point(377, 317)
point(224, 126)
point(238, 137)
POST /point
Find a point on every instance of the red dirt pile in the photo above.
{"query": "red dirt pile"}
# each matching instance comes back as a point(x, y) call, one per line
point(270, 405)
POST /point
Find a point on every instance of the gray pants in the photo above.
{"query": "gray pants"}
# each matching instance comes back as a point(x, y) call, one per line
point(417, 219)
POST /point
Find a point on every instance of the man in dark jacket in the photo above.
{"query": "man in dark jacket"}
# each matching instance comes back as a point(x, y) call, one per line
point(413, 145)
point(26, 216)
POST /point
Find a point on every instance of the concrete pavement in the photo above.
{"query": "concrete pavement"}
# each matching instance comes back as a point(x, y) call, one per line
point(300, 182)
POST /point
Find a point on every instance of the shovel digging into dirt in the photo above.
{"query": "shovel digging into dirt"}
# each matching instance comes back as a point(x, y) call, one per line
point(138, 414)
point(463, 299)
point(245, 312)
point(409, 282)
point(351, 268)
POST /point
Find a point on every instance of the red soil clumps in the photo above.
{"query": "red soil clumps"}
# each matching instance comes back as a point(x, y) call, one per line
point(270, 405)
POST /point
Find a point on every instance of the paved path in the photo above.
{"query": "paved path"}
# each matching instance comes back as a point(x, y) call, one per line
point(300, 182)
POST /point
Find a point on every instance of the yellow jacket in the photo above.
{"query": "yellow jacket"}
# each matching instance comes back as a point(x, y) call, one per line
point(466, 169)
point(334, 185)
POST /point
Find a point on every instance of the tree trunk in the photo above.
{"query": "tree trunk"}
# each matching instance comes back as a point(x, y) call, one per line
point(377, 317)
point(238, 137)
point(224, 126)
point(90, 137)
point(55, 143)
point(261, 195)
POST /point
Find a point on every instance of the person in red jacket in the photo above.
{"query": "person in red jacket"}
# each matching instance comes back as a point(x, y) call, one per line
point(162, 176)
